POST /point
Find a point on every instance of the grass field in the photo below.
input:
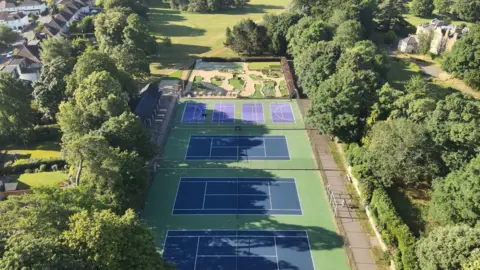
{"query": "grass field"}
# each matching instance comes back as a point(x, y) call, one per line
point(32, 180)
point(237, 83)
point(264, 65)
point(195, 34)
point(283, 88)
point(43, 150)
point(317, 219)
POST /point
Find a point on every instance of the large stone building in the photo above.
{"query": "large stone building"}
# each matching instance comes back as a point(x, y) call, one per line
point(444, 37)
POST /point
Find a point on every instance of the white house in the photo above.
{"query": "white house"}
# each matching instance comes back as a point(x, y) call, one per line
point(16, 21)
point(408, 44)
point(28, 6)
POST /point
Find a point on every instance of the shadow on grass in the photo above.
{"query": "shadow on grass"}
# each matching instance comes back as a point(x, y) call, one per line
point(168, 55)
point(173, 166)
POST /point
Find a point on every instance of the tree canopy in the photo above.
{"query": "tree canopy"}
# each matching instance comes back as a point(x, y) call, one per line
point(422, 8)
point(307, 31)
point(447, 247)
point(247, 37)
point(455, 198)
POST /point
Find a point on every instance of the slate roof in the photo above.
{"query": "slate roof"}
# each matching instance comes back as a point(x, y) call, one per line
point(148, 101)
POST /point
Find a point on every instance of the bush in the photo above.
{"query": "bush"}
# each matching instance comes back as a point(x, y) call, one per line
point(28, 171)
point(22, 165)
point(397, 234)
point(44, 133)
point(42, 168)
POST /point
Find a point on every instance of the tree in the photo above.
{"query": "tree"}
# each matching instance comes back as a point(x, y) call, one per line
point(60, 47)
point(137, 6)
point(455, 199)
point(417, 102)
point(49, 89)
point(127, 133)
point(86, 25)
point(248, 38)
point(72, 121)
point(467, 10)
point(364, 55)
point(92, 61)
point(443, 6)
point(316, 64)
point(100, 97)
point(399, 151)
point(136, 35)
point(131, 60)
point(307, 31)
point(454, 127)
point(422, 8)
point(15, 112)
point(424, 41)
point(7, 35)
point(382, 109)
point(342, 103)
point(348, 33)
point(109, 27)
point(464, 59)
point(390, 13)
point(447, 247)
point(105, 240)
point(277, 27)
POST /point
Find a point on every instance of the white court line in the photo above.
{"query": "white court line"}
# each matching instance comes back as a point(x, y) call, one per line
point(276, 253)
point(211, 147)
point(270, 197)
point(176, 195)
point(204, 194)
point(196, 254)
point(231, 256)
point(310, 250)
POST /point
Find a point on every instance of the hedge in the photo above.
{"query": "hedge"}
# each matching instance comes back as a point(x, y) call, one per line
point(393, 230)
point(21, 165)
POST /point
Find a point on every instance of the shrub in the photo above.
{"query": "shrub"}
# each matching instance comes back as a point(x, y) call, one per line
point(31, 164)
point(397, 232)
point(42, 168)
point(28, 171)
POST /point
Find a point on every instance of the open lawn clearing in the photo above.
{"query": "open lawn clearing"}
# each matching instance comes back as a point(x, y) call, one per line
point(264, 65)
point(196, 34)
point(32, 180)
point(283, 88)
point(237, 83)
point(258, 91)
point(42, 150)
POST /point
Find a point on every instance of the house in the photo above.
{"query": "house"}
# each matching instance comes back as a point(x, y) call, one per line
point(16, 21)
point(444, 37)
point(408, 44)
point(28, 6)
point(25, 64)
point(149, 104)
point(73, 10)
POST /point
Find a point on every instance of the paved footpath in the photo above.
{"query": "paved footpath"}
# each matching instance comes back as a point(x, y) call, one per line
point(358, 240)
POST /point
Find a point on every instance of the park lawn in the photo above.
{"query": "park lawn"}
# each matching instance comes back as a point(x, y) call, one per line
point(32, 180)
point(264, 65)
point(415, 21)
point(237, 83)
point(42, 150)
point(195, 34)
point(258, 91)
point(283, 88)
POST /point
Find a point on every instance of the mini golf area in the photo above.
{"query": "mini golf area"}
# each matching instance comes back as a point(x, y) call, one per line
point(238, 188)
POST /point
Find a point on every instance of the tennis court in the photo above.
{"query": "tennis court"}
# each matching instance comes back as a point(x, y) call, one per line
point(282, 113)
point(227, 147)
point(194, 113)
point(241, 196)
point(252, 113)
point(238, 249)
point(224, 113)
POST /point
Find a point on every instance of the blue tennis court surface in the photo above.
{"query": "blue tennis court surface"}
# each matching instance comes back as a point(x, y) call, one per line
point(237, 148)
point(241, 250)
point(282, 113)
point(224, 113)
point(242, 196)
point(252, 113)
point(193, 113)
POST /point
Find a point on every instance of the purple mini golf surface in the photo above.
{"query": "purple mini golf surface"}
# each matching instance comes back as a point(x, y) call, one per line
point(224, 113)
point(282, 113)
point(252, 113)
point(193, 113)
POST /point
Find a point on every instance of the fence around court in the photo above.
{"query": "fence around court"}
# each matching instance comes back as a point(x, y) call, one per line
point(314, 137)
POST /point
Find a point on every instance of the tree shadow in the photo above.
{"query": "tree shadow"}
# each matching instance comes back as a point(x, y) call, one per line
point(250, 8)
point(172, 167)
point(176, 51)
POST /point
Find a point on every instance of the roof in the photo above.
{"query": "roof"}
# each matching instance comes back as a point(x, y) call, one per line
point(16, 61)
point(409, 39)
point(5, 4)
point(28, 3)
point(148, 101)
point(6, 16)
